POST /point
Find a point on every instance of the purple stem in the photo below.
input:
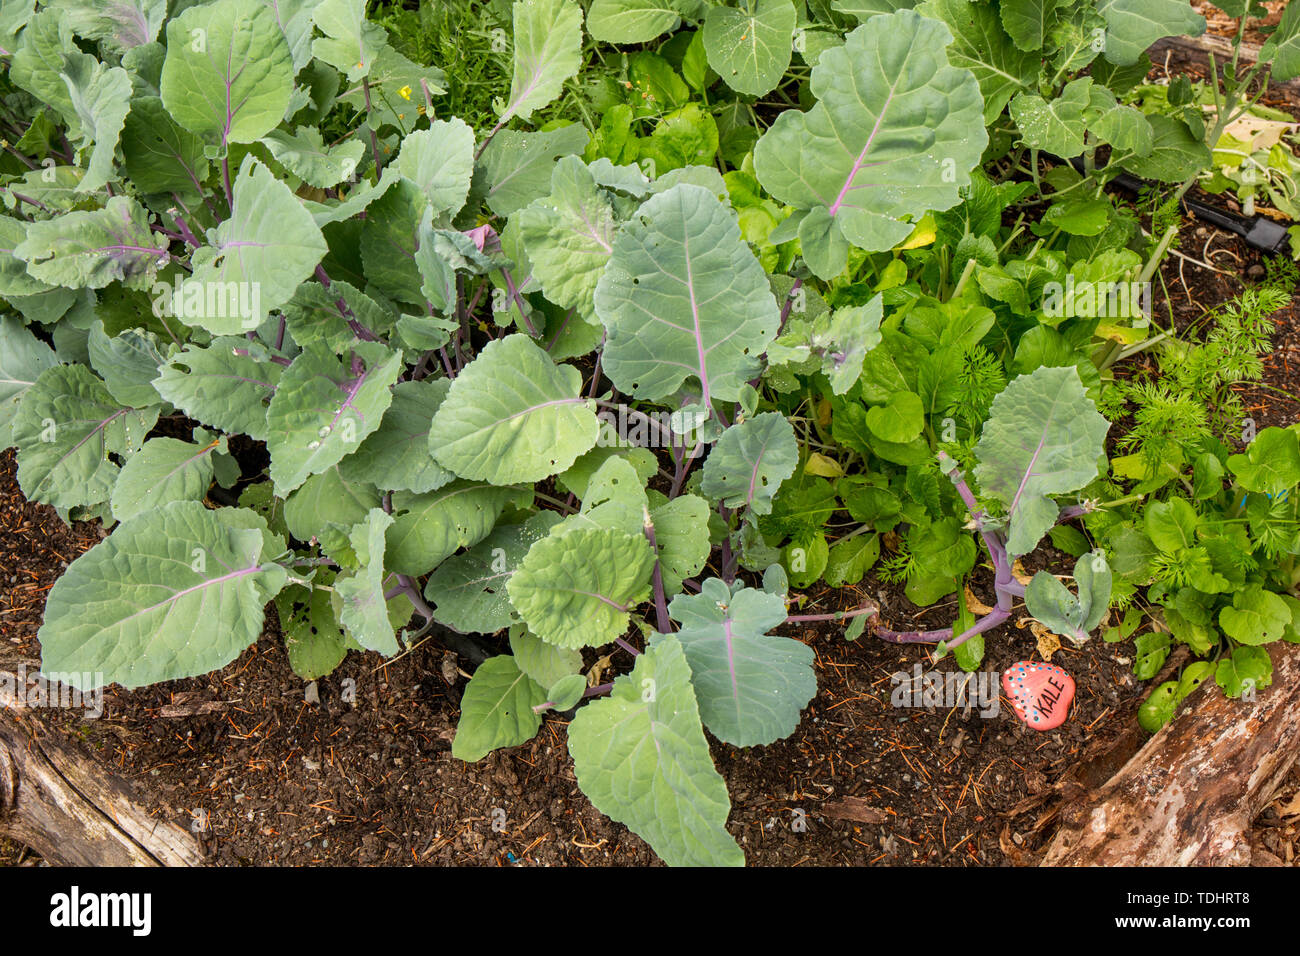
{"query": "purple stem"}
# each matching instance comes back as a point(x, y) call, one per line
point(277, 359)
point(987, 622)
point(789, 304)
point(661, 599)
point(627, 647)
point(597, 690)
point(359, 330)
point(868, 608)
point(519, 302)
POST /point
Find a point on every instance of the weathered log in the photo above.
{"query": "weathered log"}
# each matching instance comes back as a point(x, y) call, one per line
point(57, 800)
point(1187, 798)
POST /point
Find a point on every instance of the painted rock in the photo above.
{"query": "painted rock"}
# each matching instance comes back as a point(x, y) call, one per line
point(1040, 693)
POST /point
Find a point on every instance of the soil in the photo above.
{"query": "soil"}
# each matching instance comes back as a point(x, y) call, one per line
point(357, 769)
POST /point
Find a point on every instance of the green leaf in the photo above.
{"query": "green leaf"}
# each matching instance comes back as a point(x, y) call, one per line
point(751, 686)
point(750, 462)
point(632, 21)
point(983, 47)
point(1048, 600)
point(328, 498)
point(1282, 49)
point(313, 637)
point(513, 415)
point(101, 98)
point(164, 470)
point(1271, 463)
point(228, 75)
point(23, 357)
point(518, 166)
point(269, 246)
point(1152, 649)
point(640, 756)
point(304, 154)
point(221, 388)
point(577, 589)
point(850, 559)
point(569, 236)
point(1176, 152)
point(128, 363)
point(469, 589)
point(1247, 669)
point(750, 48)
point(683, 295)
point(89, 250)
point(1133, 25)
point(66, 429)
point(567, 691)
point(545, 663)
point(323, 408)
point(389, 241)
point(1158, 709)
point(1256, 617)
point(1043, 437)
point(899, 421)
point(351, 44)
point(1056, 125)
point(682, 536)
point(365, 612)
point(431, 527)
point(396, 457)
point(121, 24)
point(440, 160)
point(175, 592)
point(15, 280)
point(496, 709)
point(1027, 22)
point(895, 132)
point(548, 51)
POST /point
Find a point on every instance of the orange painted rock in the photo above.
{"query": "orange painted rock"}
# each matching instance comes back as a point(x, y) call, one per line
point(1040, 693)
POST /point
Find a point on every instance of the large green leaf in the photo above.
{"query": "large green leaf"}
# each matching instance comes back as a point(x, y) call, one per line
point(220, 387)
point(431, 527)
point(396, 457)
point(577, 589)
point(751, 685)
point(258, 257)
point(1271, 463)
point(469, 589)
point(1133, 25)
point(517, 167)
point(164, 470)
point(1028, 22)
point(569, 236)
point(750, 461)
point(121, 24)
point(101, 98)
point(324, 408)
point(328, 498)
point(313, 637)
point(160, 155)
point(548, 50)
point(683, 295)
point(440, 160)
point(1176, 152)
point(89, 250)
point(513, 415)
point(983, 47)
point(128, 362)
point(175, 592)
point(681, 528)
point(641, 758)
point(66, 429)
point(895, 132)
point(1043, 437)
point(497, 709)
point(545, 663)
point(750, 46)
point(228, 75)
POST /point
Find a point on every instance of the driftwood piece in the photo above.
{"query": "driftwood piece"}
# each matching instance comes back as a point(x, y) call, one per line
point(1188, 797)
point(57, 800)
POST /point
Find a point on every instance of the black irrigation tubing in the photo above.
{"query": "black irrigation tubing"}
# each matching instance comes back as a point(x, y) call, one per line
point(1258, 232)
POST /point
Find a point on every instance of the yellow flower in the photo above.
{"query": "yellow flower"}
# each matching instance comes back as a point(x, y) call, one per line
point(404, 92)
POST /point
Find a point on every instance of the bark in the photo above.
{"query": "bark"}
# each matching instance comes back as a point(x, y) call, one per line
point(58, 800)
point(1189, 795)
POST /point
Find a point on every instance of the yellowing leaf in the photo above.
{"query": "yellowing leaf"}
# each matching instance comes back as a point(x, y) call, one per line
point(818, 464)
